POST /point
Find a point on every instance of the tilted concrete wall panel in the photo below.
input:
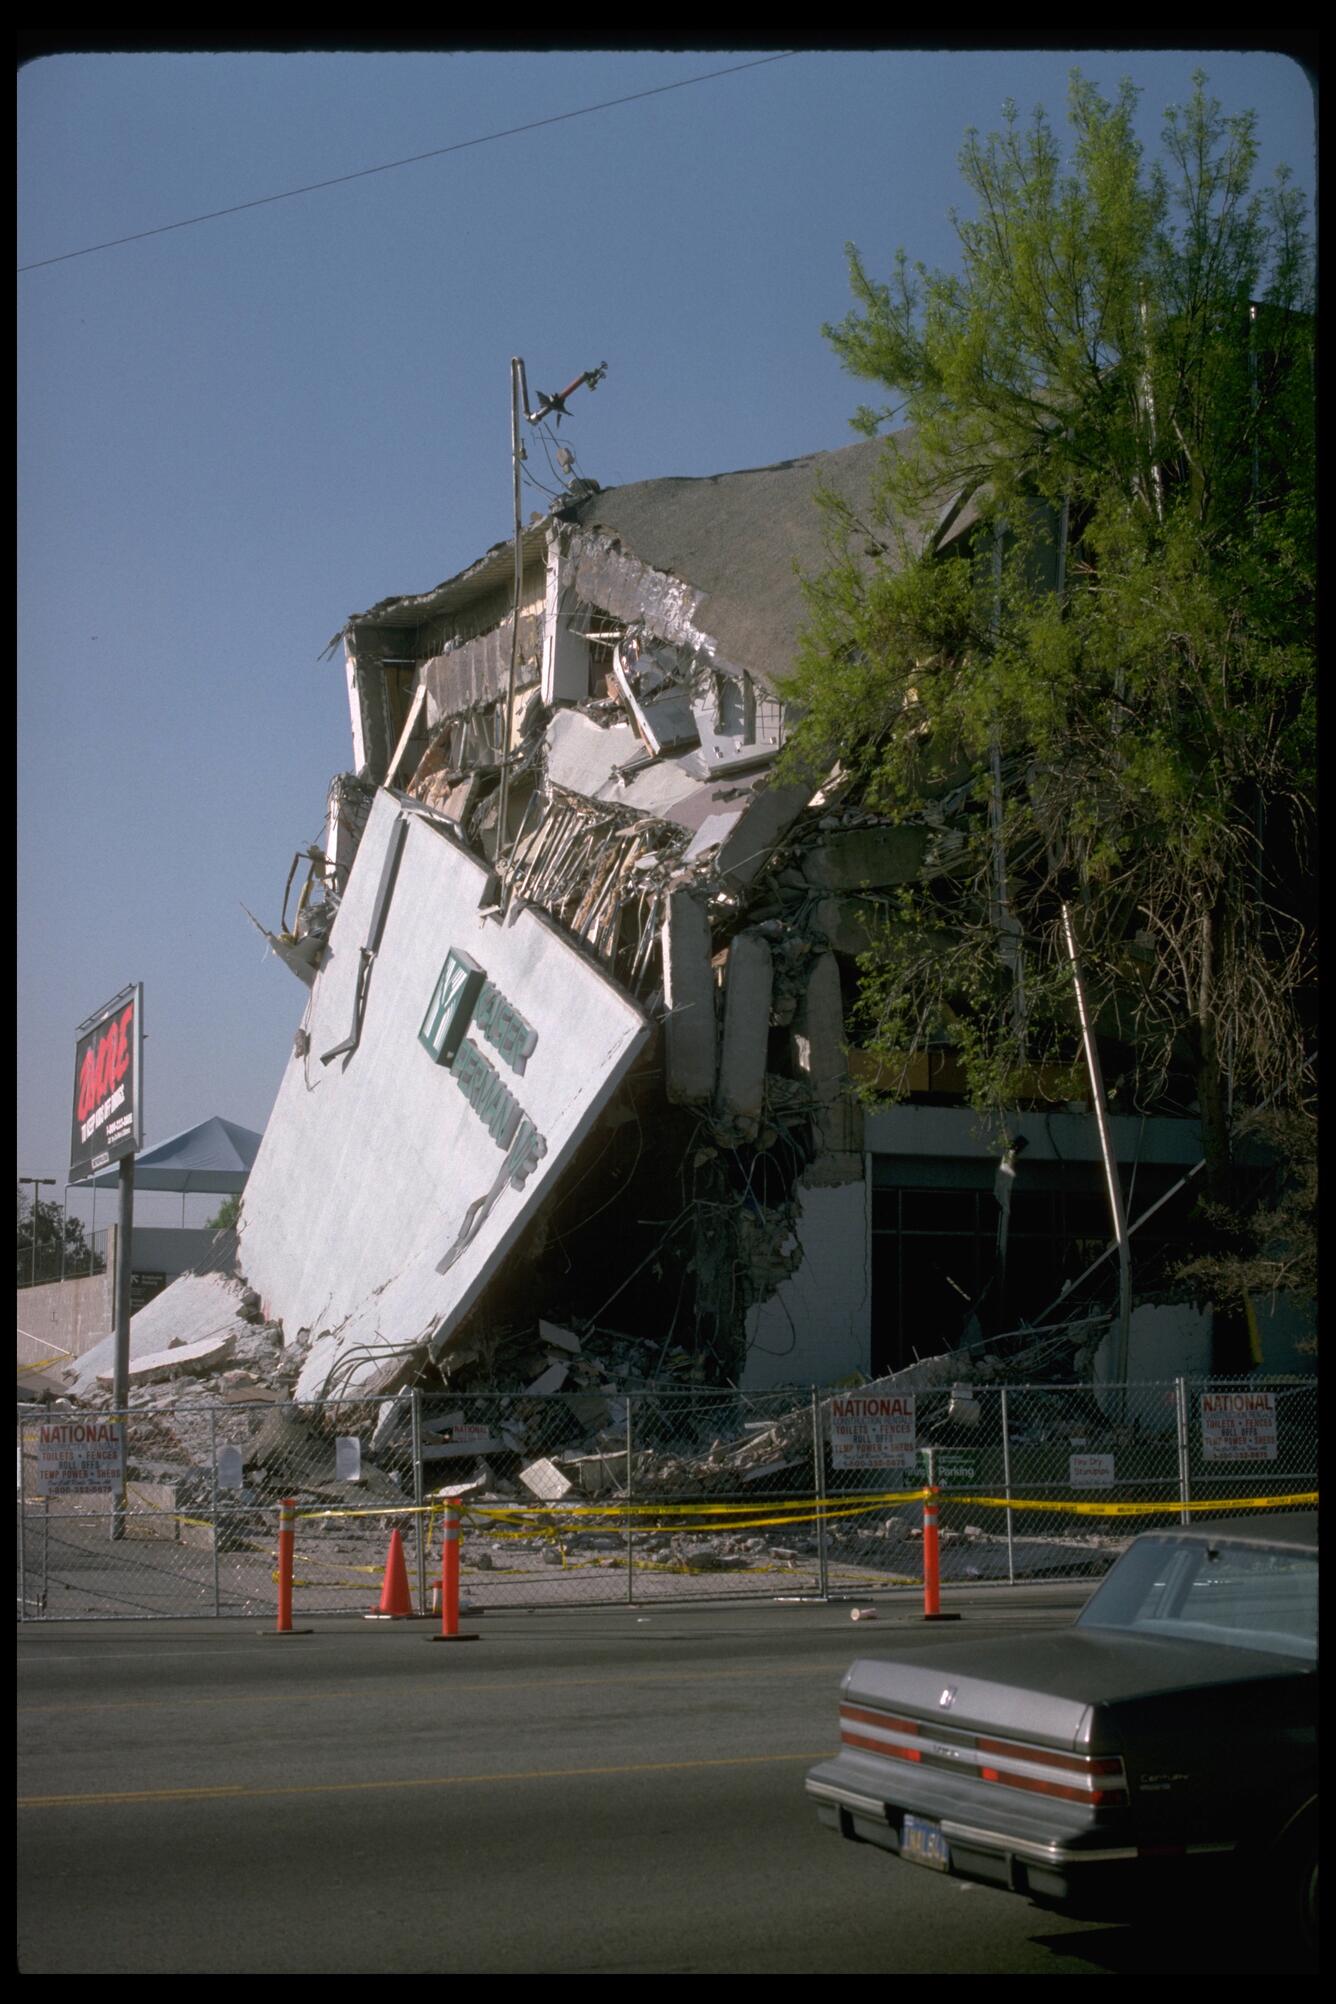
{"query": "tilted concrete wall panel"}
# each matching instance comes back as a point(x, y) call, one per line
point(377, 1168)
point(771, 813)
point(861, 857)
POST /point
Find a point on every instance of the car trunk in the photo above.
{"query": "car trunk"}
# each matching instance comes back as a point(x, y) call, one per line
point(1069, 1690)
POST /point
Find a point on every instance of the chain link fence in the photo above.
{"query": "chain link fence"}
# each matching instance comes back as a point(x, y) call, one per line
point(653, 1496)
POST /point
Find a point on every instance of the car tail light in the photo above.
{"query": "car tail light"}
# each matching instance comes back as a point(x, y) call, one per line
point(1096, 1779)
point(878, 1732)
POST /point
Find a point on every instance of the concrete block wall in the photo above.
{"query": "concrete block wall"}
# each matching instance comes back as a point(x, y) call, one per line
point(66, 1317)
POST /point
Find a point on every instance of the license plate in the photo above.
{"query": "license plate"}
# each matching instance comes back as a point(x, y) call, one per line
point(923, 1844)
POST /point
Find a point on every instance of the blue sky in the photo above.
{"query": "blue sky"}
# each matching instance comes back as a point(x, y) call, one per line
point(234, 435)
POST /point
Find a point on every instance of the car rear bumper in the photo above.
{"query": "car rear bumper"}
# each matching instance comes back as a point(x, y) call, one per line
point(1045, 1864)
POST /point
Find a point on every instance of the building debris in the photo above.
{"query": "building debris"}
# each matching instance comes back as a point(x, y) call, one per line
point(543, 1479)
point(183, 1360)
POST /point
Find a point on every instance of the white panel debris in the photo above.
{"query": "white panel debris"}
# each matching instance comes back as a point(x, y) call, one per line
point(565, 652)
point(558, 1339)
point(545, 1480)
point(550, 1380)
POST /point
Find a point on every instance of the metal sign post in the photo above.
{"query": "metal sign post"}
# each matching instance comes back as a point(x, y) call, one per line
point(120, 1381)
point(107, 1126)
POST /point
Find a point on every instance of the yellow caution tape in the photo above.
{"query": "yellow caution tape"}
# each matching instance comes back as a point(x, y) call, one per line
point(551, 1520)
point(1111, 1509)
point(42, 1363)
point(799, 1509)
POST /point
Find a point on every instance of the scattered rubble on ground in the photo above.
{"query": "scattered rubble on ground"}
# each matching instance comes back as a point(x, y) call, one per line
point(533, 1446)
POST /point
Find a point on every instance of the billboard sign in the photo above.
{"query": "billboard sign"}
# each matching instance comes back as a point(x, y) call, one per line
point(107, 1119)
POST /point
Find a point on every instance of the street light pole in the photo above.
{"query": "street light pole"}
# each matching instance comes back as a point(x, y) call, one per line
point(38, 1183)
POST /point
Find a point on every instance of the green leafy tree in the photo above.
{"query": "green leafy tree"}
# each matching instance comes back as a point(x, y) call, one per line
point(1075, 635)
point(225, 1217)
point(1272, 1248)
point(62, 1249)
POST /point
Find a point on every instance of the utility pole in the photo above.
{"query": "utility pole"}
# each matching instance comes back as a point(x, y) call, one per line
point(551, 404)
point(1112, 1183)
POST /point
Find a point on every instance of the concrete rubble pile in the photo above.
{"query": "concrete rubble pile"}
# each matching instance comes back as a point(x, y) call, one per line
point(555, 1444)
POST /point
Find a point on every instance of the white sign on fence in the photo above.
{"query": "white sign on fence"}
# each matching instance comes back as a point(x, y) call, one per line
point(74, 1456)
point(231, 1473)
point(1238, 1426)
point(347, 1458)
point(1090, 1471)
point(872, 1430)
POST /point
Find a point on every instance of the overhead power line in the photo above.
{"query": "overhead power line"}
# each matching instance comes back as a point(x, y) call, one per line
point(413, 160)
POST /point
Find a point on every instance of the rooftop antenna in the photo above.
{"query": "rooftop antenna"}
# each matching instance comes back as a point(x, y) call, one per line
point(555, 401)
point(550, 404)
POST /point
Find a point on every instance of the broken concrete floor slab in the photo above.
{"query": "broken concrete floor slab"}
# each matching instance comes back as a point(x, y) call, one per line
point(182, 1360)
point(194, 1309)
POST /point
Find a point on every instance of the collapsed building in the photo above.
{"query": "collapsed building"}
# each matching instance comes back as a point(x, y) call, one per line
point(579, 965)
point(625, 1092)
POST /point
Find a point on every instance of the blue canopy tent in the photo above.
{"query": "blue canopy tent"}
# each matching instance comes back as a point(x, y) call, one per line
point(214, 1158)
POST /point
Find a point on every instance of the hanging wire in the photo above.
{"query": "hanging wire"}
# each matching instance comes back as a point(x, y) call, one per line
point(389, 166)
point(532, 481)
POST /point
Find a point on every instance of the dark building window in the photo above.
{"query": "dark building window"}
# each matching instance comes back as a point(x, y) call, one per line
point(937, 1281)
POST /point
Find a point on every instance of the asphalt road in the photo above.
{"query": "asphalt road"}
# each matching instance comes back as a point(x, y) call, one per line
point(607, 1791)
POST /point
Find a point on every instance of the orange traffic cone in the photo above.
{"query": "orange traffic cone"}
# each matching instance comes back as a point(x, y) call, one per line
point(396, 1603)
